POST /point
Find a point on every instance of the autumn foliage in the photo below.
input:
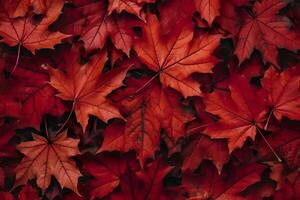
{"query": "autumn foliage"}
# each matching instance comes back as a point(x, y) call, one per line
point(150, 99)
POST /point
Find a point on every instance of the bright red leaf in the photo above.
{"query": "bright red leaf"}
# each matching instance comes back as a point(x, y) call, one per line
point(87, 86)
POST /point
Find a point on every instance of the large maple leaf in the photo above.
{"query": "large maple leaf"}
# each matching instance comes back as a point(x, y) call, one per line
point(210, 185)
point(87, 86)
point(284, 92)
point(177, 55)
point(241, 112)
point(265, 30)
point(44, 158)
point(29, 34)
point(145, 120)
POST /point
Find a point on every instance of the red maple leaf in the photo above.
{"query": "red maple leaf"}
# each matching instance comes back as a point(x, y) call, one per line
point(264, 29)
point(176, 56)
point(44, 158)
point(200, 148)
point(88, 87)
point(93, 22)
point(284, 92)
point(241, 110)
point(28, 33)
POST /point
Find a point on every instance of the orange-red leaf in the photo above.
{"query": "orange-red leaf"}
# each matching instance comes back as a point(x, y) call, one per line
point(31, 35)
point(176, 56)
point(43, 158)
point(87, 86)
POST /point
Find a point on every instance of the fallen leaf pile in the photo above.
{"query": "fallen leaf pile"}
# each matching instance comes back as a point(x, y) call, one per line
point(150, 99)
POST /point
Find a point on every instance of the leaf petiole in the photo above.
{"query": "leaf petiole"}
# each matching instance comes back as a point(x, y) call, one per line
point(270, 147)
point(68, 118)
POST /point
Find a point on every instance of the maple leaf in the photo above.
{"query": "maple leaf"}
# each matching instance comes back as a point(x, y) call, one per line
point(107, 170)
point(176, 56)
point(87, 87)
point(200, 148)
point(44, 158)
point(145, 184)
point(284, 93)
point(25, 32)
point(27, 95)
point(87, 19)
point(210, 185)
point(266, 31)
point(92, 22)
point(208, 9)
point(145, 120)
point(241, 112)
point(158, 136)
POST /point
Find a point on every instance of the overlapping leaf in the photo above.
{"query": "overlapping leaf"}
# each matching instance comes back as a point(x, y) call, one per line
point(145, 120)
point(176, 56)
point(241, 110)
point(87, 87)
point(28, 33)
point(43, 158)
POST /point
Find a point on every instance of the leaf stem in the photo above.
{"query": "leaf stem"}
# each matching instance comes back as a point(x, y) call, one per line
point(147, 83)
point(198, 128)
point(270, 147)
point(17, 60)
point(68, 118)
point(46, 129)
point(268, 120)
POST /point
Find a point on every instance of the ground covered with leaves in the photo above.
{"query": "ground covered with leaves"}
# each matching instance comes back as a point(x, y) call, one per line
point(150, 99)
